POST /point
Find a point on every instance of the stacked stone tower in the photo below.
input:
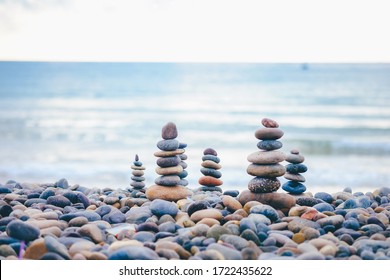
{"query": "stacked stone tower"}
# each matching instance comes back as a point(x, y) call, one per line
point(138, 174)
point(167, 185)
point(296, 166)
point(184, 173)
point(210, 165)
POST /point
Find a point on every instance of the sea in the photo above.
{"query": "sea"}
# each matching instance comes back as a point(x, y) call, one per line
point(86, 121)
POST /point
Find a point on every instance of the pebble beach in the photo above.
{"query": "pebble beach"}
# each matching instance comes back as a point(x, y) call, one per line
point(173, 220)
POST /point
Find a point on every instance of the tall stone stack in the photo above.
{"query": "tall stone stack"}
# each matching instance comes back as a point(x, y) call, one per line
point(265, 163)
point(184, 173)
point(210, 165)
point(265, 166)
point(138, 174)
point(167, 186)
point(294, 168)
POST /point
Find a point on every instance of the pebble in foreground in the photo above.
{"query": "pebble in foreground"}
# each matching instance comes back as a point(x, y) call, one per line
point(59, 221)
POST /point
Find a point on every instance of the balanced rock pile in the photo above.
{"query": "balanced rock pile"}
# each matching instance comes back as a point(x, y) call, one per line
point(167, 185)
point(138, 174)
point(294, 185)
point(210, 165)
point(184, 173)
point(265, 166)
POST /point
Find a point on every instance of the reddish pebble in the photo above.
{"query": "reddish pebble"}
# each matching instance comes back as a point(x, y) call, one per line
point(210, 151)
point(269, 123)
point(169, 131)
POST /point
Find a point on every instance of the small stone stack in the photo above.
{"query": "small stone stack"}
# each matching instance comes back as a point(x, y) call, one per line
point(265, 166)
point(210, 165)
point(183, 182)
point(294, 185)
point(167, 185)
point(138, 173)
point(265, 163)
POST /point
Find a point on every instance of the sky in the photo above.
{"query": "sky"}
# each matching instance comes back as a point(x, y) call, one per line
point(200, 30)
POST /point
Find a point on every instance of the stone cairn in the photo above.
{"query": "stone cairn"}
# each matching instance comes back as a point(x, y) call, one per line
point(184, 173)
point(265, 163)
point(167, 186)
point(138, 175)
point(210, 165)
point(296, 166)
point(265, 166)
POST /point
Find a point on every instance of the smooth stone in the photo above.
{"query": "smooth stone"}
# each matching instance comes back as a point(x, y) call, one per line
point(5, 210)
point(250, 235)
point(384, 191)
point(22, 231)
point(115, 217)
point(296, 168)
point(311, 256)
point(267, 122)
point(93, 232)
point(47, 193)
point(167, 227)
point(168, 145)
point(211, 164)
point(297, 224)
point(182, 145)
point(139, 168)
point(294, 177)
point(168, 161)
point(62, 183)
point(210, 151)
point(137, 178)
point(326, 197)
point(267, 211)
point(183, 182)
point(279, 201)
point(196, 206)
point(266, 157)
point(59, 201)
point(183, 156)
point(269, 133)
point(35, 250)
point(54, 246)
point(232, 193)
point(78, 222)
point(269, 170)
point(323, 207)
point(183, 174)
point(216, 231)
point(167, 180)
point(211, 172)
point(307, 201)
point(144, 236)
point(174, 170)
point(138, 173)
point(210, 189)
point(269, 145)
point(168, 153)
point(168, 254)
point(293, 187)
point(231, 203)
point(138, 215)
point(206, 213)
point(174, 193)
point(295, 158)
point(30, 202)
point(169, 131)
point(211, 158)
point(209, 181)
point(336, 220)
point(238, 242)
point(137, 163)
point(6, 250)
point(227, 252)
point(5, 190)
point(161, 207)
point(263, 185)
point(137, 185)
point(123, 244)
point(134, 253)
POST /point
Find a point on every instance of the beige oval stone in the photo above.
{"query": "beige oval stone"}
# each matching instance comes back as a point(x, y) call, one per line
point(174, 193)
point(134, 167)
point(123, 243)
point(45, 216)
point(329, 250)
point(41, 224)
point(294, 177)
point(269, 133)
point(268, 170)
point(35, 250)
point(169, 153)
point(279, 201)
point(56, 231)
point(211, 164)
point(138, 173)
point(169, 170)
point(266, 157)
point(231, 203)
point(209, 222)
point(250, 204)
point(80, 246)
point(206, 213)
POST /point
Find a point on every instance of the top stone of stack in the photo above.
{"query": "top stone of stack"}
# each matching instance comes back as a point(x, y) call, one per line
point(169, 131)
